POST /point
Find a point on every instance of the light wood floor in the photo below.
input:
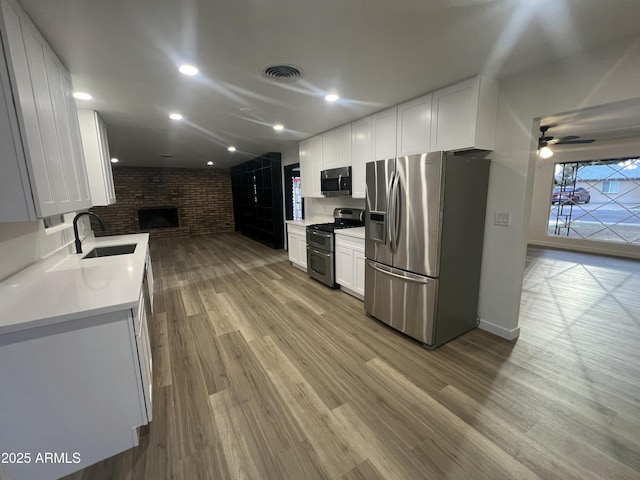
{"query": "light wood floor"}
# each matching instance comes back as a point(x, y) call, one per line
point(262, 373)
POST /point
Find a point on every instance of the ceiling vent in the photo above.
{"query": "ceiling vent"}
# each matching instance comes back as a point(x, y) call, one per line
point(283, 73)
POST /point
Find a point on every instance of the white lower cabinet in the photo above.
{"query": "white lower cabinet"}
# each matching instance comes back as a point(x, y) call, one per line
point(297, 245)
point(82, 387)
point(349, 256)
point(74, 387)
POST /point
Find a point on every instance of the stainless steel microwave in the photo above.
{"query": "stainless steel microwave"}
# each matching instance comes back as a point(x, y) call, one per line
point(336, 181)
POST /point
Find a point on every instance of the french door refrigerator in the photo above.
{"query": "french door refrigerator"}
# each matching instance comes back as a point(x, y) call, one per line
point(425, 217)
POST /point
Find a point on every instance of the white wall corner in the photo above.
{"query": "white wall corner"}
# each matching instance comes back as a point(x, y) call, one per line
point(509, 334)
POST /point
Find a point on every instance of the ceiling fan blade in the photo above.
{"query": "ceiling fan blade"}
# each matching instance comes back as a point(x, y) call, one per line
point(570, 137)
point(575, 142)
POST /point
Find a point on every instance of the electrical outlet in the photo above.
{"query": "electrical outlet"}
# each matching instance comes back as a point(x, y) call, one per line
point(503, 219)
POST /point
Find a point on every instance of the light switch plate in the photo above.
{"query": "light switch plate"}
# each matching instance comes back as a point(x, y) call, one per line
point(503, 219)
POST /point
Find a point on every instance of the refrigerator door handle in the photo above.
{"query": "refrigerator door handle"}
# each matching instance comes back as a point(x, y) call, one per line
point(393, 215)
point(407, 276)
point(388, 217)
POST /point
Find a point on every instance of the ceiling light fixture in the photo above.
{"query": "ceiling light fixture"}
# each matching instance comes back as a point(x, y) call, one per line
point(231, 148)
point(114, 160)
point(175, 116)
point(545, 152)
point(82, 96)
point(332, 97)
point(189, 70)
point(278, 127)
point(209, 163)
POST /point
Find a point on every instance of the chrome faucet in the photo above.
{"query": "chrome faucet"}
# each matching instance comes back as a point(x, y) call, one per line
point(75, 228)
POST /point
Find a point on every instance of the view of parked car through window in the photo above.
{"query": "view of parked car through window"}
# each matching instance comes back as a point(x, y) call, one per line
point(597, 200)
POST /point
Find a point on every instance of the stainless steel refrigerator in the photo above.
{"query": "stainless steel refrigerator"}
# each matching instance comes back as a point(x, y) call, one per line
point(425, 218)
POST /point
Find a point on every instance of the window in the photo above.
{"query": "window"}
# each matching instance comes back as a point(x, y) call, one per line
point(597, 200)
point(610, 187)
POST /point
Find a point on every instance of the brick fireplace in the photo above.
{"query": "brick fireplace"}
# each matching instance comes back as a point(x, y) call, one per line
point(168, 202)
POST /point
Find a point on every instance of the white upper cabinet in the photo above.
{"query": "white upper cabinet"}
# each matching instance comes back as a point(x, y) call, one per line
point(336, 148)
point(45, 117)
point(464, 115)
point(384, 134)
point(361, 154)
point(329, 150)
point(311, 164)
point(97, 157)
point(414, 126)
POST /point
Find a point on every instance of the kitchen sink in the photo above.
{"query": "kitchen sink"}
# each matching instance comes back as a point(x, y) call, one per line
point(113, 250)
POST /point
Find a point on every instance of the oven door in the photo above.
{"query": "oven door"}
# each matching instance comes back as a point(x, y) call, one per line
point(320, 240)
point(320, 265)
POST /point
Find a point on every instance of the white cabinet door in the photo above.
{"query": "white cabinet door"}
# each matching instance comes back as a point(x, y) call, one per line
point(311, 166)
point(40, 123)
point(361, 154)
point(144, 357)
point(329, 150)
point(16, 202)
point(358, 271)
point(464, 115)
point(344, 267)
point(304, 152)
point(343, 146)
point(349, 257)
point(77, 154)
point(414, 126)
point(297, 244)
point(71, 157)
point(384, 134)
point(97, 158)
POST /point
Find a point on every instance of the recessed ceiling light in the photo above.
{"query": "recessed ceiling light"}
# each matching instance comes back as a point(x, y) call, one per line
point(175, 116)
point(190, 70)
point(114, 160)
point(209, 163)
point(332, 97)
point(82, 96)
point(231, 148)
point(278, 127)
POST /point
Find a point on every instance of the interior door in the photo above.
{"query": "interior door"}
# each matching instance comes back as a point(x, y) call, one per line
point(380, 174)
point(417, 212)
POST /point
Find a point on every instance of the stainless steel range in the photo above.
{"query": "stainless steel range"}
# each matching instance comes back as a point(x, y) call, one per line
point(321, 263)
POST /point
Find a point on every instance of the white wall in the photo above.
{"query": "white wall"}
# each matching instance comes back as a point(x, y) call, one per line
point(542, 186)
point(24, 243)
point(604, 76)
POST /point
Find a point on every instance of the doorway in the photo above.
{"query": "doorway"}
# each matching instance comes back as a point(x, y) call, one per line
point(294, 203)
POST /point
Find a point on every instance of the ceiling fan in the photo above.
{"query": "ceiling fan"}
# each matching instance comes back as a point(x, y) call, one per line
point(546, 140)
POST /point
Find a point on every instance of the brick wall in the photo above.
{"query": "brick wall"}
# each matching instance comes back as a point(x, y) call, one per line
point(202, 197)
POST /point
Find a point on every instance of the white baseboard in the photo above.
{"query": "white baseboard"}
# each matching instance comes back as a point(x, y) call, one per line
point(498, 330)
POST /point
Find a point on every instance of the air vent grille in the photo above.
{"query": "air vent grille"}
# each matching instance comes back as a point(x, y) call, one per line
point(282, 73)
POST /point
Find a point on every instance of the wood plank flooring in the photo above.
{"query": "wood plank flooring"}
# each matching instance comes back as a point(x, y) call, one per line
point(263, 373)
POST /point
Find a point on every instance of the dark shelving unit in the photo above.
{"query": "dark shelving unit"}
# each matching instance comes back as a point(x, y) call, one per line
point(257, 199)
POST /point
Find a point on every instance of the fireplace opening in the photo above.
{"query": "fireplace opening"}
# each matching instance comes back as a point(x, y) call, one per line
point(158, 217)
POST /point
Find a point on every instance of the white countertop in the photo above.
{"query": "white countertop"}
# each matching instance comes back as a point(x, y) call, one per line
point(68, 287)
point(356, 232)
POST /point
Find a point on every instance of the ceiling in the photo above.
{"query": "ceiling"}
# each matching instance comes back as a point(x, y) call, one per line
point(604, 123)
point(373, 53)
